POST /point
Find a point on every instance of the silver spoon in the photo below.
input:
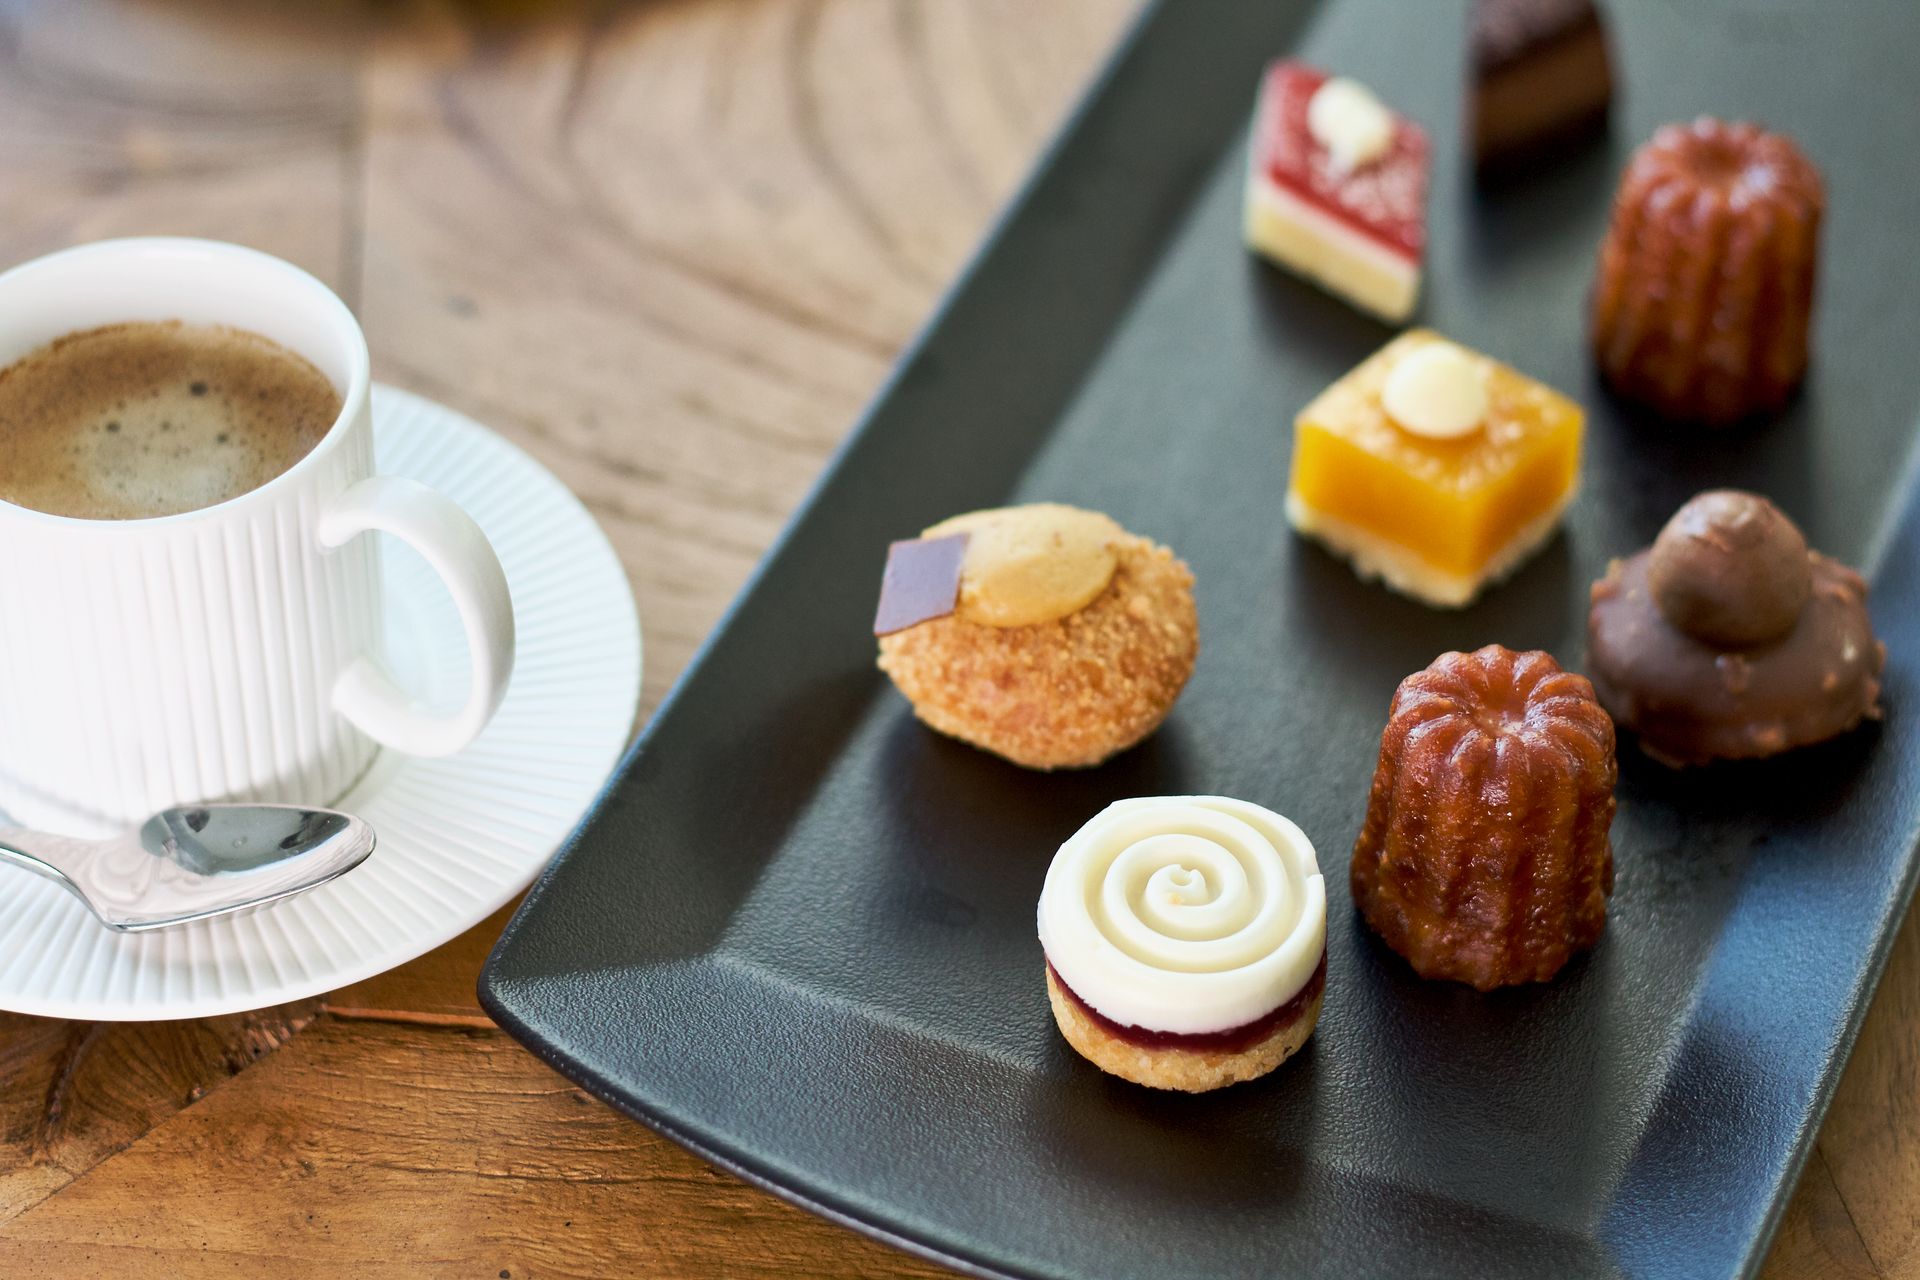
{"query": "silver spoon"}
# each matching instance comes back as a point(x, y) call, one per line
point(198, 862)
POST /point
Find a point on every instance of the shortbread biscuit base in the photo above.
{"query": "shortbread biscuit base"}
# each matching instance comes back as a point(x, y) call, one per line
point(1373, 556)
point(1185, 1070)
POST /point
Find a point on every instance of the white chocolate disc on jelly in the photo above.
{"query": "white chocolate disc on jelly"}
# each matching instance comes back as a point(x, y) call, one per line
point(1438, 391)
point(1354, 126)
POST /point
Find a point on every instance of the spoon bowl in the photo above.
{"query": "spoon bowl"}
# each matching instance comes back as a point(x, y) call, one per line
point(196, 862)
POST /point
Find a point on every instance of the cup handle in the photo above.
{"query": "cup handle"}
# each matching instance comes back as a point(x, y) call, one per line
point(452, 543)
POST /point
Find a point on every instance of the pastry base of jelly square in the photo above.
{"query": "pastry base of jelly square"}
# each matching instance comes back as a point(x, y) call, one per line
point(1373, 556)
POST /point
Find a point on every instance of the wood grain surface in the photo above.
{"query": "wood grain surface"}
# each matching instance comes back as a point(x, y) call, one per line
point(670, 247)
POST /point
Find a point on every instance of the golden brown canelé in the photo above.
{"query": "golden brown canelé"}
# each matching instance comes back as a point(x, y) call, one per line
point(1485, 855)
point(1705, 284)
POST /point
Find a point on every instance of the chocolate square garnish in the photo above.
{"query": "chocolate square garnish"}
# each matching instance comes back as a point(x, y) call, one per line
point(922, 581)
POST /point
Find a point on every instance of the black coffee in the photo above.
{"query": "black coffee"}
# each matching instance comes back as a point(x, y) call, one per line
point(154, 418)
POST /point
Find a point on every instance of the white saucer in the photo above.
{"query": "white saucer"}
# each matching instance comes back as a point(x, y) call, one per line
point(459, 837)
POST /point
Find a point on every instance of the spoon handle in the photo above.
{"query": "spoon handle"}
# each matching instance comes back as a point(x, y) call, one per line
point(36, 851)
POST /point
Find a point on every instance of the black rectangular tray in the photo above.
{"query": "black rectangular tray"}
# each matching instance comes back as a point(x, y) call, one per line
point(797, 934)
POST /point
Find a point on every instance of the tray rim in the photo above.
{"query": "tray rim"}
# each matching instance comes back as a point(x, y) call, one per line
point(1860, 1003)
point(492, 985)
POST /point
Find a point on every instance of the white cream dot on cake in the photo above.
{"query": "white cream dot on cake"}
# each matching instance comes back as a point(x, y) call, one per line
point(1355, 127)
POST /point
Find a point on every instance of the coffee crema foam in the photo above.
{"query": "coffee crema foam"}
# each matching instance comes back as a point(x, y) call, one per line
point(153, 418)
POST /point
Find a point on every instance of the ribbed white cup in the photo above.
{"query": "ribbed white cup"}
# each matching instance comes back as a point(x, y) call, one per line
point(209, 655)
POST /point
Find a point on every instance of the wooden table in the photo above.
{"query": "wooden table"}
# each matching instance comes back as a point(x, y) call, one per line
point(670, 248)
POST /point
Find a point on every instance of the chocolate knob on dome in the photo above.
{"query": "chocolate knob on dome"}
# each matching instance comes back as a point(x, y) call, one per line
point(1731, 570)
point(1704, 289)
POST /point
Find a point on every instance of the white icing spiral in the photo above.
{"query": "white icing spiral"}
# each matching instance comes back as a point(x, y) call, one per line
point(1185, 914)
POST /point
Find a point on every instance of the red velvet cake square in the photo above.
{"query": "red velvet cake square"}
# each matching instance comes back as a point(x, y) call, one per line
point(1337, 188)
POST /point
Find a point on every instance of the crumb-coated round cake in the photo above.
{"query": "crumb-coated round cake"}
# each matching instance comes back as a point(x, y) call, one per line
point(1729, 638)
point(1485, 855)
point(1705, 283)
point(1185, 940)
point(1069, 640)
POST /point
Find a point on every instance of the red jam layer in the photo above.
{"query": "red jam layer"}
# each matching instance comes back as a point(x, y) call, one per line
point(1232, 1040)
point(1386, 200)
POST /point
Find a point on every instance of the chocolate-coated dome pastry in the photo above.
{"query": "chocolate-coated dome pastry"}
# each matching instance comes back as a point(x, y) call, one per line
point(1705, 283)
point(1728, 639)
point(1485, 856)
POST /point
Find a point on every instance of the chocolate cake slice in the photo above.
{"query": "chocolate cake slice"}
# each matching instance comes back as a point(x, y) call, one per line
point(1542, 79)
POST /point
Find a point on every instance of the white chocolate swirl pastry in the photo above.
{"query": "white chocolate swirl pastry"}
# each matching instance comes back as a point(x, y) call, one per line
point(1185, 914)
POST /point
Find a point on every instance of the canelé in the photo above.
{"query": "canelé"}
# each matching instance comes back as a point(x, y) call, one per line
point(1705, 283)
point(1485, 857)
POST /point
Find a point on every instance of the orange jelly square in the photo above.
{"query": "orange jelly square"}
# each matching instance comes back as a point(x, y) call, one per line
point(1436, 518)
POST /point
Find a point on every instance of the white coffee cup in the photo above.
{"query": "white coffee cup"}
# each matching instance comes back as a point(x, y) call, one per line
point(229, 652)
